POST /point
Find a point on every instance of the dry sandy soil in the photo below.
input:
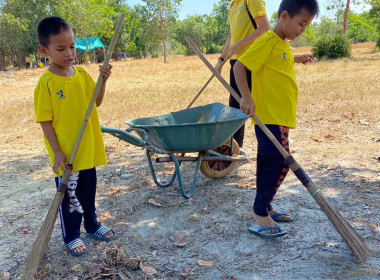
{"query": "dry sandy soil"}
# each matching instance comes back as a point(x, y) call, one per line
point(337, 142)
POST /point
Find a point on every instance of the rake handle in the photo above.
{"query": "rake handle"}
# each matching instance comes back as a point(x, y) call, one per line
point(206, 84)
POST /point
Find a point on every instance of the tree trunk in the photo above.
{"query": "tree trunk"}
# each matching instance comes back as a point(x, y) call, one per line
point(161, 21)
point(345, 15)
point(2, 62)
point(164, 45)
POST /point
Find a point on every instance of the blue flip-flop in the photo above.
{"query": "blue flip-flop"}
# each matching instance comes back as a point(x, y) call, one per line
point(276, 217)
point(100, 234)
point(75, 244)
point(262, 231)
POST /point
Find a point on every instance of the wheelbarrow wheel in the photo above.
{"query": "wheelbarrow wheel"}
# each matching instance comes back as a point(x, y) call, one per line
point(221, 168)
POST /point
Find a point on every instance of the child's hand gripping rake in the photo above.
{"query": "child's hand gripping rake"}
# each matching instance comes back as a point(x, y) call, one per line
point(40, 245)
point(354, 241)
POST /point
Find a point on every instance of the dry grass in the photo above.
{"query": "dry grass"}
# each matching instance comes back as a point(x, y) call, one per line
point(345, 90)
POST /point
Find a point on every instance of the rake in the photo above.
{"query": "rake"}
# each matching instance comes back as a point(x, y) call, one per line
point(352, 238)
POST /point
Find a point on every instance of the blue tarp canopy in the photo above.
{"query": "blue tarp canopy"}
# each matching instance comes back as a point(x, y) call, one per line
point(93, 44)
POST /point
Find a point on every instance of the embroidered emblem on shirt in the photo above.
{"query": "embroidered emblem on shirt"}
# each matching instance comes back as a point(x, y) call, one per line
point(60, 95)
point(284, 56)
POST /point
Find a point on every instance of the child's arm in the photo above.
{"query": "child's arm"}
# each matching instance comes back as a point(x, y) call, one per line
point(246, 103)
point(59, 156)
point(106, 73)
point(304, 59)
point(263, 26)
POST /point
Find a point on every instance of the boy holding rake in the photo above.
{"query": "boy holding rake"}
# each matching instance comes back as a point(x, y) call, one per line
point(61, 99)
point(273, 100)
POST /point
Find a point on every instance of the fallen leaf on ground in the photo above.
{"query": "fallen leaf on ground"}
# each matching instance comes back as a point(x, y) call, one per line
point(5, 276)
point(154, 203)
point(273, 273)
point(190, 201)
point(148, 269)
point(205, 263)
point(77, 268)
point(179, 239)
point(186, 271)
point(115, 191)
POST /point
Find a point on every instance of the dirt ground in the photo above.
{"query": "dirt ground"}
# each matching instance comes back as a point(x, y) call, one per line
point(205, 237)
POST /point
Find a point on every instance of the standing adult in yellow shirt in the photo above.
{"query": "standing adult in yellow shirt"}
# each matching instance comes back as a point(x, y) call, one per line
point(248, 21)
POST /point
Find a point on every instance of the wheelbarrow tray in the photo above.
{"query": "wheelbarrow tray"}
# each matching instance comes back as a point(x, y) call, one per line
point(190, 130)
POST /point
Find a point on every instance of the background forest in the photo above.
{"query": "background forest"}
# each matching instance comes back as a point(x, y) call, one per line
point(153, 29)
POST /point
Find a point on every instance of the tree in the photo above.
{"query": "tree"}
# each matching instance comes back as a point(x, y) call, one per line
point(343, 7)
point(220, 14)
point(362, 28)
point(88, 18)
point(162, 14)
point(202, 30)
point(374, 13)
point(19, 19)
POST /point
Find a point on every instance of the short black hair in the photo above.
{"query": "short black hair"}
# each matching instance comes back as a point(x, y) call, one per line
point(293, 7)
point(50, 26)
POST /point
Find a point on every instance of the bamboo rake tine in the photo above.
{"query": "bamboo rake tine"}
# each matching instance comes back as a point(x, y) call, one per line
point(41, 243)
point(206, 84)
point(354, 241)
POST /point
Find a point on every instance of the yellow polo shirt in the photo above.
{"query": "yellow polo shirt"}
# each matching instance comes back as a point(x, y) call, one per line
point(274, 87)
point(64, 101)
point(239, 21)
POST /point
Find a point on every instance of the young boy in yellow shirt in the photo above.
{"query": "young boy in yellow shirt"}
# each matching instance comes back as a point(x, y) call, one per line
point(61, 99)
point(273, 100)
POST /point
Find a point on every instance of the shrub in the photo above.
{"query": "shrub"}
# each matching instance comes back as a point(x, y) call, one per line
point(334, 47)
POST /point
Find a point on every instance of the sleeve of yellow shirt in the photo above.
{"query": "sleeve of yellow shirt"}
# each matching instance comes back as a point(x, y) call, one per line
point(255, 57)
point(257, 8)
point(42, 103)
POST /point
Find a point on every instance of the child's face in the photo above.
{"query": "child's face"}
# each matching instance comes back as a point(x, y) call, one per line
point(61, 49)
point(293, 27)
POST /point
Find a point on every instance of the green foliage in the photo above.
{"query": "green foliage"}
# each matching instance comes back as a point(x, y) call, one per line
point(327, 27)
point(201, 29)
point(220, 14)
point(273, 20)
point(307, 38)
point(12, 27)
point(334, 47)
point(361, 28)
point(374, 13)
point(148, 27)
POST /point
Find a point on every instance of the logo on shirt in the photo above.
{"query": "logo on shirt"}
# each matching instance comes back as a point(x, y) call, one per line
point(60, 95)
point(284, 56)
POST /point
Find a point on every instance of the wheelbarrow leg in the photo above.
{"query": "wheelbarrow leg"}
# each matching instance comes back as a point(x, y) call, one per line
point(154, 173)
point(180, 181)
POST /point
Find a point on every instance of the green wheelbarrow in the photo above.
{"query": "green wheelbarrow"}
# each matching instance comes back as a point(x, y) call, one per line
point(206, 130)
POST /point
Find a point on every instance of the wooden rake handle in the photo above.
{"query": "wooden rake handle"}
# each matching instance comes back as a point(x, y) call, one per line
point(206, 84)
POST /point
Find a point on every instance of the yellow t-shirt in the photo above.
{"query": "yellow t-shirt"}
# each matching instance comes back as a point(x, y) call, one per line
point(64, 101)
point(274, 87)
point(239, 21)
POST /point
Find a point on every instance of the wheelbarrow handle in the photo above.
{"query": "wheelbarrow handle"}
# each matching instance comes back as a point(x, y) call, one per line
point(124, 135)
